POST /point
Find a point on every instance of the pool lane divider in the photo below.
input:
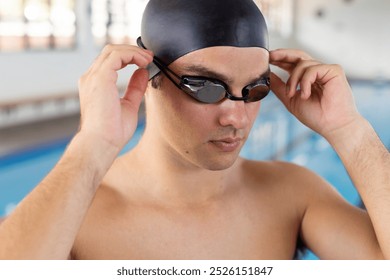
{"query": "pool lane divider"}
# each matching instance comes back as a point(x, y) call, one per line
point(35, 151)
point(42, 149)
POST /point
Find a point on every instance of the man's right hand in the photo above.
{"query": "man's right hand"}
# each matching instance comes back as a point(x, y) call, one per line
point(104, 115)
point(52, 214)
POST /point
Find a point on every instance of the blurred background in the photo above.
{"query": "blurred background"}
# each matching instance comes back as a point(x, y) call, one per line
point(46, 45)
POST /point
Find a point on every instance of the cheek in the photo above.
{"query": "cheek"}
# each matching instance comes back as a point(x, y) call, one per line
point(197, 118)
point(253, 110)
point(182, 115)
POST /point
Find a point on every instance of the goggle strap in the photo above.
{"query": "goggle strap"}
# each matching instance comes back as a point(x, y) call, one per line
point(167, 73)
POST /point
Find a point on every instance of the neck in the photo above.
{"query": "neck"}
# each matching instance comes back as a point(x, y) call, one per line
point(172, 179)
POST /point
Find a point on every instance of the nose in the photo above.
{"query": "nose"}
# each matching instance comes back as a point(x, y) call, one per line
point(233, 113)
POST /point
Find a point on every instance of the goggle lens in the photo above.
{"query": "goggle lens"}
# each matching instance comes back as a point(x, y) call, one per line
point(257, 92)
point(207, 91)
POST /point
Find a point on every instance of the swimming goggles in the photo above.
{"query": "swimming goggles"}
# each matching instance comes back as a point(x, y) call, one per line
point(207, 90)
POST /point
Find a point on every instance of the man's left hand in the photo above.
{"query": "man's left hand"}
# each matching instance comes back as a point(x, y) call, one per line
point(317, 94)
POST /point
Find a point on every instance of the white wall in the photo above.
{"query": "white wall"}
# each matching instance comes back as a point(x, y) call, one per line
point(355, 34)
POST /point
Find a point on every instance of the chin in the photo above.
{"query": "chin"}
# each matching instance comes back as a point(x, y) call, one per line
point(219, 164)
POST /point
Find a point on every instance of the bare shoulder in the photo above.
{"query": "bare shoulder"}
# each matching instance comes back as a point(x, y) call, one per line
point(104, 212)
point(279, 171)
point(2, 219)
point(110, 194)
point(296, 181)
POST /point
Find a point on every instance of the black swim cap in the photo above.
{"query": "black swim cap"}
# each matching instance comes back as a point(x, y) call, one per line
point(173, 28)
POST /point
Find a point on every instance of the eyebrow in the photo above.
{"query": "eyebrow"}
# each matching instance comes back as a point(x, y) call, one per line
point(206, 72)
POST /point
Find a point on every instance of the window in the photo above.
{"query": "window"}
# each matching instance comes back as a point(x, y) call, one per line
point(119, 21)
point(116, 21)
point(279, 16)
point(51, 24)
point(37, 24)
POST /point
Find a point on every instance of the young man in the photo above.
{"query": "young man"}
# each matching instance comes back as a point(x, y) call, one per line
point(183, 192)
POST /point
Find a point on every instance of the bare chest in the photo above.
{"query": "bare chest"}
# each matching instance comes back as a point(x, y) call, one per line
point(226, 233)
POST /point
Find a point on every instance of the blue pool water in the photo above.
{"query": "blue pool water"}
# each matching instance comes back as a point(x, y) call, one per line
point(275, 135)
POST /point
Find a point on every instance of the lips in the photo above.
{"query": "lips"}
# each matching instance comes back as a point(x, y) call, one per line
point(227, 144)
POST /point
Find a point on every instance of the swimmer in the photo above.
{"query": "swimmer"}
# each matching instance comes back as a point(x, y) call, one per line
point(183, 192)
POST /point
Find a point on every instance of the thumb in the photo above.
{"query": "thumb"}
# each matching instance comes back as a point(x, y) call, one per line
point(136, 87)
point(279, 88)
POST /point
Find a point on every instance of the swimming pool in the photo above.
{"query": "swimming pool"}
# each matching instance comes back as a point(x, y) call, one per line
point(280, 135)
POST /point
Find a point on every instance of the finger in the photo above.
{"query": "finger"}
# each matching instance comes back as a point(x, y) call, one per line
point(288, 67)
point(316, 77)
point(279, 88)
point(296, 75)
point(288, 59)
point(149, 52)
point(288, 56)
point(119, 59)
point(137, 87)
point(109, 49)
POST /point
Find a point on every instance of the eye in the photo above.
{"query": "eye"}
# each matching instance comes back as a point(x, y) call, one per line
point(266, 81)
point(197, 82)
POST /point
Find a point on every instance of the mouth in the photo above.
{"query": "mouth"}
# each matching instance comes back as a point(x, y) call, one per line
point(227, 144)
